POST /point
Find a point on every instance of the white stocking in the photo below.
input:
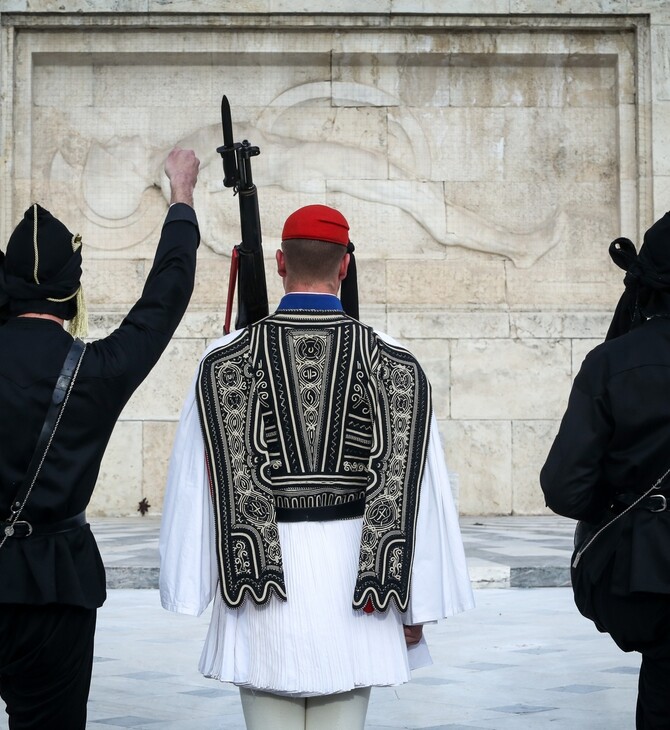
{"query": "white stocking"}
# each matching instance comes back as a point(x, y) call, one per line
point(342, 711)
point(265, 711)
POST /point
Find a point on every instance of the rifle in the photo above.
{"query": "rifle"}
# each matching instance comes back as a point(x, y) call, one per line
point(246, 264)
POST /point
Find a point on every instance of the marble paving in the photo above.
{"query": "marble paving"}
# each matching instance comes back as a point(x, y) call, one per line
point(502, 552)
point(522, 659)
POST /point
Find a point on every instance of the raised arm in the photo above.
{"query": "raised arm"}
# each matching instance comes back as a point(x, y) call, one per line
point(182, 167)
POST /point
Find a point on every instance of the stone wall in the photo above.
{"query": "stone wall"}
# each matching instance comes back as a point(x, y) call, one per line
point(484, 159)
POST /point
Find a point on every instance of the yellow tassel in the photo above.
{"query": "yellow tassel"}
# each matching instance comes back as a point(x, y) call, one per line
point(78, 325)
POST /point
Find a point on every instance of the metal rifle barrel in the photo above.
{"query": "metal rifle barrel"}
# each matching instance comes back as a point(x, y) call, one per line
point(252, 303)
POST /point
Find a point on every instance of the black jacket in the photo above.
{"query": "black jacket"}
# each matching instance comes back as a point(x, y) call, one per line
point(66, 568)
point(615, 438)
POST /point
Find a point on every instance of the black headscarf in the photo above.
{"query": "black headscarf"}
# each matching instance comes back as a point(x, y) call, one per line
point(42, 264)
point(647, 279)
point(349, 286)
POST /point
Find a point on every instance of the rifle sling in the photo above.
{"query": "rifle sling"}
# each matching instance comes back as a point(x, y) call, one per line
point(74, 354)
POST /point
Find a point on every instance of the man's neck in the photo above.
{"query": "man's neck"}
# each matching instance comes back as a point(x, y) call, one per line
point(310, 289)
point(41, 315)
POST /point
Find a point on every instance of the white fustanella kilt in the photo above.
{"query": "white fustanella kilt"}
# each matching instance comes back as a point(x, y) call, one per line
point(313, 643)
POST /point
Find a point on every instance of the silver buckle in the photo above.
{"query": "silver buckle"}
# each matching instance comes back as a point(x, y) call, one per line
point(664, 503)
point(9, 529)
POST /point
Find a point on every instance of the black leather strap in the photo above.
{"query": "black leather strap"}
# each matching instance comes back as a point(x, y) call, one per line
point(22, 528)
point(658, 502)
point(60, 391)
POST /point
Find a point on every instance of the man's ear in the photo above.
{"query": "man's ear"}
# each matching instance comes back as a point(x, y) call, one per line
point(344, 265)
point(281, 263)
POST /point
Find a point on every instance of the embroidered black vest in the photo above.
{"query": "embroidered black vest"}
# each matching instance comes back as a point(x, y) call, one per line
point(311, 415)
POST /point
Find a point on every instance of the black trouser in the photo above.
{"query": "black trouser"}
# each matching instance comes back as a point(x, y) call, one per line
point(46, 659)
point(653, 697)
point(637, 622)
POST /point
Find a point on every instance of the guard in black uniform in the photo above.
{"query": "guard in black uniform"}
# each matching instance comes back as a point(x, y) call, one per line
point(610, 465)
point(51, 575)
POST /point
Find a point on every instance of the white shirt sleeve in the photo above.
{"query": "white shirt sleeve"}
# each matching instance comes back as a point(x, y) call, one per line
point(187, 564)
point(188, 568)
point(440, 584)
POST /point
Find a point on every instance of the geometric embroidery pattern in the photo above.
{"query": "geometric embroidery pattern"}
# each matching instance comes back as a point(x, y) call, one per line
point(309, 410)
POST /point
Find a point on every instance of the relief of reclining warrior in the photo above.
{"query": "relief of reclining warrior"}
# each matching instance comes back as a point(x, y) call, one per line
point(292, 165)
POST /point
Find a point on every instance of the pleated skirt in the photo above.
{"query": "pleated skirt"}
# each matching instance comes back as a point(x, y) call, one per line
point(314, 643)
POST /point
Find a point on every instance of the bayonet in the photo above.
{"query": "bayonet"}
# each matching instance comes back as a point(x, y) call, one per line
point(247, 264)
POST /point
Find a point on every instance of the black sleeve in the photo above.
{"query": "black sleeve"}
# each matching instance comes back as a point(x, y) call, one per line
point(134, 348)
point(572, 476)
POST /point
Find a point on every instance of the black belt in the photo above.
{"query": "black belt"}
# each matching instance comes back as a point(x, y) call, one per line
point(23, 528)
point(345, 511)
point(652, 503)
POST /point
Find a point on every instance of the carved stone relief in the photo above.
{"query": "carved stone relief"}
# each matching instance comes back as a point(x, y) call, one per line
point(483, 174)
point(425, 153)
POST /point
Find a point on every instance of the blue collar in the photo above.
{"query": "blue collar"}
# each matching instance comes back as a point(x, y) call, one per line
point(309, 300)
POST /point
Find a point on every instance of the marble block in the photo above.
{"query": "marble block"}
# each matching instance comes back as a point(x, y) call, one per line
point(484, 158)
point(161, 395)
point(480, 453)
point(118, 490)
point(509, 379)
point(158, 437)
point(531, 441)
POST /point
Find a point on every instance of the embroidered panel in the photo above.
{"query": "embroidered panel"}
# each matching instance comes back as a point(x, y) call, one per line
point(313, 410)
point(402, 424)
point(248, 551)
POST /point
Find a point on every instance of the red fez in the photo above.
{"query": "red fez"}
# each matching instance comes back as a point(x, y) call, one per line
point(317, 222)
